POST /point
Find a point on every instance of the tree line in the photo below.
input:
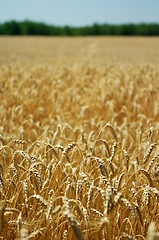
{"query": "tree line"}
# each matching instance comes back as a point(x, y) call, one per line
point(34, 28)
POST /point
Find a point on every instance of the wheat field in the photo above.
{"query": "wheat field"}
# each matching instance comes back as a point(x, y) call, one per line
point(79, 130)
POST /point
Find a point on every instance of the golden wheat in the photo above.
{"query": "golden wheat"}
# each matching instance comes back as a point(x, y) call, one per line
point(79, 139)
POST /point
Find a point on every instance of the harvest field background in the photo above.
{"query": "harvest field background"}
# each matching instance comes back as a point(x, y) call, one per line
point(79, 128)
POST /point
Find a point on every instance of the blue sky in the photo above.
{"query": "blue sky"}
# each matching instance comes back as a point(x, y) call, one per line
point(80, 12)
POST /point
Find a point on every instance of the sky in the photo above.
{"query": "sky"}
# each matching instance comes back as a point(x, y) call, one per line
point(80, 12)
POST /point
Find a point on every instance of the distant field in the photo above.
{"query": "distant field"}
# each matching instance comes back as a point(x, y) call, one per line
point(79, 138)
point(98, 50)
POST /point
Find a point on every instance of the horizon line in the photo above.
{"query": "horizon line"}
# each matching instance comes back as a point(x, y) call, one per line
point(79, 26)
